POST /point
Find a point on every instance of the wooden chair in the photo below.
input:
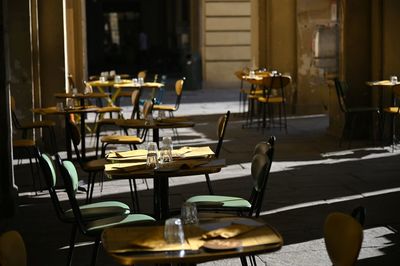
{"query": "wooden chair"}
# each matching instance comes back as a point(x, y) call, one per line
point(89, 212)
point(142, 74)
point(92, 228)
point(12, 249)
point(394, 112)
point(29, 147)
point(343, 238)
point(260, 169)
point(245, 92)
point(351, 113)
point(30, 126)
point(274, 95)
point(221, 128)
point(172, 108)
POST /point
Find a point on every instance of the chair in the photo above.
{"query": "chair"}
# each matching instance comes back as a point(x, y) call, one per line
point(89, 212)
point(141, 74)
point(127, 139)
point(245, 92)
point(135, 96)
point(92, 167)
point(350, 113)
point(29, 146)
point(41, 124)
point(12, 249)
point(172, 108)
point(274, 95)
point(92, 228)
point(260, 169)
point(343, 238)
point(221, 128)
point(394, 112)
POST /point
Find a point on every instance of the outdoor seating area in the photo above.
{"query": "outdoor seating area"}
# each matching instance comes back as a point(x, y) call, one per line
point(251, 132)
point(289, 202)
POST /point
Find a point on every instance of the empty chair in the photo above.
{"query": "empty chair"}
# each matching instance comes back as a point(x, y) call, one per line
point(172, 108)
point(221, 128)
point(12, 249)
point(394, 112)
point(343, 238)
point(92, 228)
point(30, 126)
point(89, 212)
point(274, 96)
point(260, 169)
point(351, 113)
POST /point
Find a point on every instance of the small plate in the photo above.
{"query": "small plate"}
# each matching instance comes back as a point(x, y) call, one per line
point(222, 244)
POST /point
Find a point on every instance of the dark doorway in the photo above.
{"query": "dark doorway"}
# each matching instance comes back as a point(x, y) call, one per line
point(133, 35)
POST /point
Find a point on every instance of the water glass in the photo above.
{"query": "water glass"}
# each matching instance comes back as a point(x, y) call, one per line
point(60, 107)
point(74, 91)
point(88, 89)
point(141, 81)
point(166, 150)
point(117, 79)
point(135, 81)
point(173, 231)
point(112, 73)
point(69, 103)
point(152, 155)
point(148, 120)
point(393, 79)
point(189, 213)
point(103, 79)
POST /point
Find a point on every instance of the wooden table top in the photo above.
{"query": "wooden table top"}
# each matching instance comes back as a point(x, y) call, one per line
point(145, 244)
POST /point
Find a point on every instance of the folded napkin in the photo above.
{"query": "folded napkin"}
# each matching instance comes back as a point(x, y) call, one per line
point(128, 155)
point(126, 167)
point(229, 231)
point(193, 152)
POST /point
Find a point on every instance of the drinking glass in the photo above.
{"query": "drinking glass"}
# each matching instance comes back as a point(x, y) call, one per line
point(173, 231)
point(166, 150)
point(117, 79)
point(69, 103)
point(60, 107)
point(152, 155)
point(393, 79)
point(189, 213)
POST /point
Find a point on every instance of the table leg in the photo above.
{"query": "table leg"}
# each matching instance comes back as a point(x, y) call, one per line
point(156, 136)
point(83, 136)
point(161, 198)
point(68, 136)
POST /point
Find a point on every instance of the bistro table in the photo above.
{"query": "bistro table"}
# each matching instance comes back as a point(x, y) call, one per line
point(132, 165)
point(146, 245)
point(156, 125)
point(82, 110)
point(136, 85)
point(108, 84)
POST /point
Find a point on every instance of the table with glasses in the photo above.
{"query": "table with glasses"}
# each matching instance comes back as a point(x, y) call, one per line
point(213, 238)
point(156, 124)
point(187, 161)
point(136, 85)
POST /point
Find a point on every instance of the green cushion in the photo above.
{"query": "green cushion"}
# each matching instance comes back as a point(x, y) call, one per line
point(50, 164)
point(220, 201)
point(99, 225)
point(100, 210)
point(73, 174)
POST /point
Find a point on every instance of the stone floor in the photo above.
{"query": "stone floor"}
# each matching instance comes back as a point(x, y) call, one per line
point(311, 177)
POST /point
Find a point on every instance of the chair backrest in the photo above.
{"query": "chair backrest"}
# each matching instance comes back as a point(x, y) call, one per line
point(70, 178)
point(135, 97)
point(343, 238)
point(221, 128)
point(50, 175)
point(277, 82)
point(14, 117)
point(12, 249)
point(142, 74)
point(341, 91)
point(178, 91)
point(148, 108)
point(260, 170)
point(76, 139)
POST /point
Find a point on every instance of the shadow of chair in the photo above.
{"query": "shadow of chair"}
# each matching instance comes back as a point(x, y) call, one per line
point(12, 249)
point(394, 112)
point(260, 169)
point(343, 238)
point(92, 228)
point(91, 211)
point(351, 113)
point(221, 128)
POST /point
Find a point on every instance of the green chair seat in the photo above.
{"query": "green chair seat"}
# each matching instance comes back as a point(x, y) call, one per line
point(99, 225)
point(100, 210)
point(220, 201)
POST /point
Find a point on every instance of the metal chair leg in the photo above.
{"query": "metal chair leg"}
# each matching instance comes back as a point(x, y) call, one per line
point(71, 245)
point(210, 189)
point(95, 250)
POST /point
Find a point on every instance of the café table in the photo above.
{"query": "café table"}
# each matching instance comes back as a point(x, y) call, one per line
point(109, 85)
point(82, 110)
point(81, 96)
point(132, 165)
point(145, 244)
point(156, 125)
point(135, 85)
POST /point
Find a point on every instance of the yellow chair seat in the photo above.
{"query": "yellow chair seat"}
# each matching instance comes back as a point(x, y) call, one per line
point(249, 91)
point(164, 108)
point(270, 99)
point(121, 140)
point(392, 110)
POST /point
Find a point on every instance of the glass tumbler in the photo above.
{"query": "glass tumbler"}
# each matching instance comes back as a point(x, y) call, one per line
point(189, 213)
point(166, 150)
point(173, 231)
point(152, 155)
